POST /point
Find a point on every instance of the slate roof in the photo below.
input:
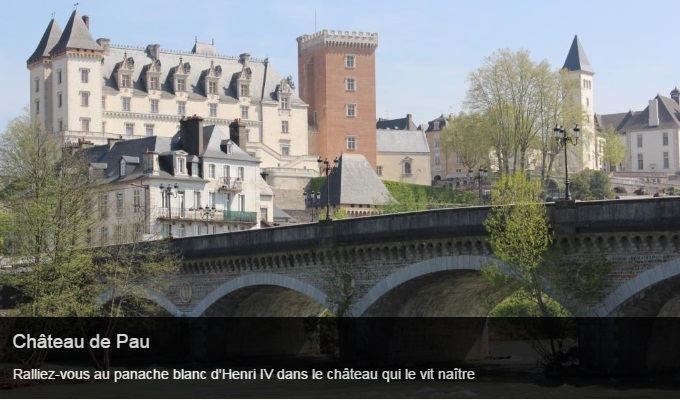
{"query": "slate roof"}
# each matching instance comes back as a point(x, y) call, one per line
point(133, 151)
point(49, 39)
point(391, 141)
point(443, 121)
point(669, 117)
point(353, 181)
point(76, 36)
point(200, 63)
point(616, 121)
point(405, 123)
point(577, 59)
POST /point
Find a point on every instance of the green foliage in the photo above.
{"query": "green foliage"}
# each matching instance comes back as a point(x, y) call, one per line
point(335, 214)
point(672, 191)
point(614, 149)
point(591, 185)
point(469, 135)
point(410, 197)
point(316, 184)
point(522, 304)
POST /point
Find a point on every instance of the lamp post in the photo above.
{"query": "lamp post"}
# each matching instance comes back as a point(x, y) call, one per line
point(312, 201)
point(480, 177)
point(326, 168)
point(207, 212)
point(562, 137)
point(169, 191)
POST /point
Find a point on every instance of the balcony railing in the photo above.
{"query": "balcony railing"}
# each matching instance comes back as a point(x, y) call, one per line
point(240, 216)
point(230, 184)
point(205, 214)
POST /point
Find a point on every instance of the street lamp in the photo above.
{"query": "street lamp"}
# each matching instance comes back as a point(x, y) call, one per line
point(563, 138)
point(480, 177)
point(312, 201)
point(326, 168)
point(207, 212)
point(169, 191)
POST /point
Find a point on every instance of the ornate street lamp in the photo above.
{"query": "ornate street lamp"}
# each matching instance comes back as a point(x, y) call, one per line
point(562, 137)
point(325, 167)
point(312, 201)
point(169, 191)
point(480, 177)
point(207, 212)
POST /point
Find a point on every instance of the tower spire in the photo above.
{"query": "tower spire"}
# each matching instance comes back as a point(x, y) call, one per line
point(577, 59)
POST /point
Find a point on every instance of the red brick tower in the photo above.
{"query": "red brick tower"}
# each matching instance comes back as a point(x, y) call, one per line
point(337, 80)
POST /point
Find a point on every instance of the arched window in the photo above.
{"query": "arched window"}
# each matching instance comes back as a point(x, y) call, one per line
point(407, 168)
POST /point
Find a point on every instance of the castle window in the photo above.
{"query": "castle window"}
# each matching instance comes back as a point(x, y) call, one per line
point(639, 140)
point(85, 124)
point(212, 87)
point(103, 102)
point(244, 112)
point(181, 165)
point(285, 102)
point(85, 99)
point(211, 171)
point(244, 90)
point(213, 110)
point(665, 160)
point(37, 85)
point(284, 126)
point(37, 107)
point(664, 136)
point(181, 85)
point(154, 106)
point(407, 168)
point(351, 110)
point(285, 150)
point(241, 173)
point(181, 107)
point(123, 169)
point(379, 170)
point(153, 83)
point(350, 61)
point(350, 84)
point(148, 129)
point(351, 142)
point(126, 103)
point(125, 81)
point(59, 77)
point(129, 128)
point(59, 100)
point(84, 75)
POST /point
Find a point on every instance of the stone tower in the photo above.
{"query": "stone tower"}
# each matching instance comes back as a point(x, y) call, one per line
point(580, 70)
point(337, 80)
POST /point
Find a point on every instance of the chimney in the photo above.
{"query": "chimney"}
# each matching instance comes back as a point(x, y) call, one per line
point(244, 59)
point(237, 132)
point(86, 20)
point(153, 51)
point(653, 112)
point(191, 134)
point(675, 95)
point(105, 44)
point(409, 121)
point(150, 159)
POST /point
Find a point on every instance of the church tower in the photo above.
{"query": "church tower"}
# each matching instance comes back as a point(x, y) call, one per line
point(337, 80)
point(579, 69)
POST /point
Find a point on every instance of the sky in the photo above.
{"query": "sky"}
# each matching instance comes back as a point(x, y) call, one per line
point(426, 48)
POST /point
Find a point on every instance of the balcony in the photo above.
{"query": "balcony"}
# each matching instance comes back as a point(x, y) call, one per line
point(232, 185)
point(204, 214)
point(240, 216)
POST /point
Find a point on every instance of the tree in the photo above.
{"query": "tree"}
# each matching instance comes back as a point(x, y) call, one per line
point(591, 185)
point(522, 101)
point(613, 148)
point(469, 136)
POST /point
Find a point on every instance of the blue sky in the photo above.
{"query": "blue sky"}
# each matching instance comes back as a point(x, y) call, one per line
point(426, 48)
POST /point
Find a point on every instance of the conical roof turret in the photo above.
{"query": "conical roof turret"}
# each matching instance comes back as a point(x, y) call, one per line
point(577, 59)
point(49, 39)
point(76, 36)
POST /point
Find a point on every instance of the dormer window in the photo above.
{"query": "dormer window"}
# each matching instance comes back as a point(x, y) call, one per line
point(212, 87)
point(244, 90)
point(181, 165)
point(285, 102)
point(123, 168)
point(124, 70)
point(153, 74)
point(181, 84)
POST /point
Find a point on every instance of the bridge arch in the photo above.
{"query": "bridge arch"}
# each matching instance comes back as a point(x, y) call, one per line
point(420, 269)
point(260, 279)
point(148, 294)
point(664, 272)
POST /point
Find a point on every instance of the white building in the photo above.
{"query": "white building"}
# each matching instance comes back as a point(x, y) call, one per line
point(651, 136)
point(403, 156)
point(194, 183)
point(95, 90)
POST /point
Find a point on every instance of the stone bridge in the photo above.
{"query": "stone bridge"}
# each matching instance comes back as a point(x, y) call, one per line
point(423, 264)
